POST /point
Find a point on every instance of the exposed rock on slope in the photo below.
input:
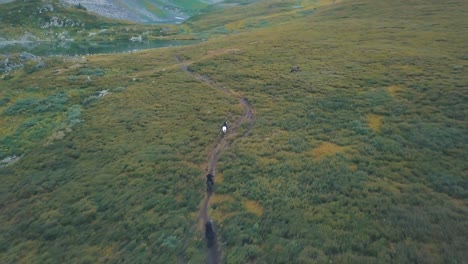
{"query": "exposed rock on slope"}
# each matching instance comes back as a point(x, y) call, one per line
point(147, 12)
point(16, 61)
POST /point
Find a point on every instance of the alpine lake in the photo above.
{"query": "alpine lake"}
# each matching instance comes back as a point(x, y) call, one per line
point(73, 48)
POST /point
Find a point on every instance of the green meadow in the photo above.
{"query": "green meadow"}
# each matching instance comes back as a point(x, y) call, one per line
point(359, 157)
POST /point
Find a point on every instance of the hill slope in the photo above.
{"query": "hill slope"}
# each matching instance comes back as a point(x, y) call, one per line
point(148, 11)
point(45, 20)
point(51, 20)
point(359, 157)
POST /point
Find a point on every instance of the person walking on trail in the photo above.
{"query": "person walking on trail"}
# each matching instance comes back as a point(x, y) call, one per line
point(224, 128)
point(209, 182)
point(209, 179)
point(209, 232)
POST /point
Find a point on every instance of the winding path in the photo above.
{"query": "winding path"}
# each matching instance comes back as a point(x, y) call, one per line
point(221, 143)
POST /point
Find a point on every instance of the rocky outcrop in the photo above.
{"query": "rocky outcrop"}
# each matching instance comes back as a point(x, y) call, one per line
point(26, 56)
point(17, 61)
point(44, 9)
point(136, 39)
point(147, 12)
point(9, 160)
point(107, 8)
point(28, 37)
point(60, 22)
point(8, 65)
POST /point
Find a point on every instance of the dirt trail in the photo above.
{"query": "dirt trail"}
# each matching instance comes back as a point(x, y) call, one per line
point(221, 143)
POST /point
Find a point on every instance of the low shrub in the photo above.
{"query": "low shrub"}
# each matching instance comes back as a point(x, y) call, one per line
point(89, 100)
point(73, 115)
point(5, 100)
point(53, 103)
point(93, 72)
point(119, 89)
point(22, 106)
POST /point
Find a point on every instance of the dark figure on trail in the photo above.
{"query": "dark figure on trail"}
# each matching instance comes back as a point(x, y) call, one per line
point(210, 233)
point(224, 128)
point(209, 182)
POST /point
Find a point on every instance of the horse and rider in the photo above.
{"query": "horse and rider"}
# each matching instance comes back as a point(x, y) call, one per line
point(209, 182)
point(210, 234)
point(224, 127)
point(209, 231)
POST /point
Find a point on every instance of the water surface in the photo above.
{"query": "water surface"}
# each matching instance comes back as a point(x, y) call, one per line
point(72, 48)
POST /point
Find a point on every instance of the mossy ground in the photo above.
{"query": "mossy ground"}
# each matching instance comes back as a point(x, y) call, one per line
point(358, 158)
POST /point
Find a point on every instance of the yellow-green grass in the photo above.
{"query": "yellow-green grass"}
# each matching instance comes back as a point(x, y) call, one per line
point(375, 122)
point(349, 55)
point(254, 207)
point(127, 182)
point(256, 14)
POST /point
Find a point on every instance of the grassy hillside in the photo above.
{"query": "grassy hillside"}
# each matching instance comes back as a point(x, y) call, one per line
point(51, 20)
point(360, 157)
point(250, 15)
point(144, 11)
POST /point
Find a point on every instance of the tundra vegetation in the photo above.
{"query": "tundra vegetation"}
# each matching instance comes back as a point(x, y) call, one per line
point(359, 157)
point(52, 20)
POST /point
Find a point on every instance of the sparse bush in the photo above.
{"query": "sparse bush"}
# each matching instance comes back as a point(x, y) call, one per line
point(91, 72)
point(80, 6)
point(53, 103)
point(74, 78)
point(119, 89)
point(73, 115)
point(298, 144)
point(429, 135)
point(357, 126)
point(34, 66)
point(22, 106)
point(450, 184)
point(90, 99)
point(5, 100)
point(7, 77)
point(28, 124)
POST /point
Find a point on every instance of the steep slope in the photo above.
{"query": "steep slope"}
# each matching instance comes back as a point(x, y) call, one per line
point(48, 19)
point(35, 21)
point(357, 157)
point(146, 11)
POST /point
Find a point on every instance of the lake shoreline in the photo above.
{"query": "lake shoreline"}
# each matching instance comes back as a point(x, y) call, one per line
point(72, 47)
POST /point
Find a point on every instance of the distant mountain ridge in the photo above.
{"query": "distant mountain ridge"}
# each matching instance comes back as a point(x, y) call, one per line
point(145, 11)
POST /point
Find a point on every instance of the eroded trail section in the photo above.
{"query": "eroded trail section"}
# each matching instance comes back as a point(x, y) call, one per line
point(221, 143)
